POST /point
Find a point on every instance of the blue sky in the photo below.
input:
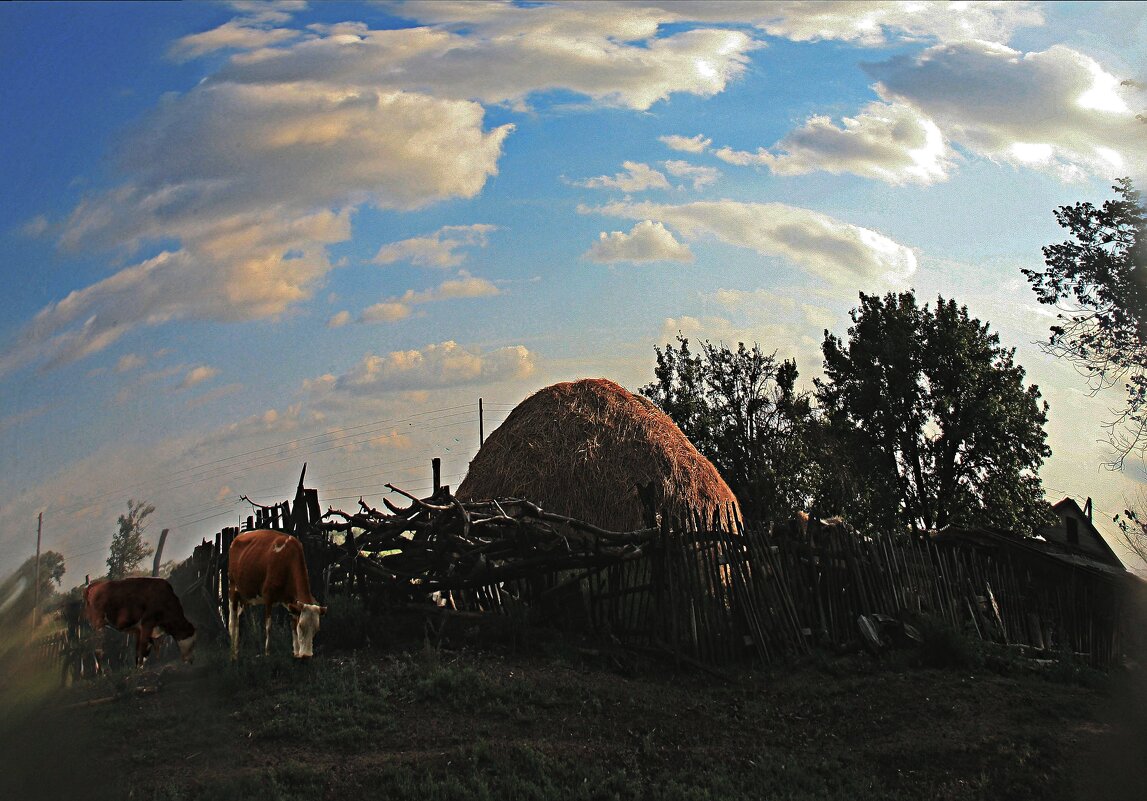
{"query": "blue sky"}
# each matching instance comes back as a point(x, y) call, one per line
point(237, 237)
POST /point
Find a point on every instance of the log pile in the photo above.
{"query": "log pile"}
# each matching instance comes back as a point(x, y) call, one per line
point(441, 544)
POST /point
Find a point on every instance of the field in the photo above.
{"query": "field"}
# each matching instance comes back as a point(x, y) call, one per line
point(548, 717)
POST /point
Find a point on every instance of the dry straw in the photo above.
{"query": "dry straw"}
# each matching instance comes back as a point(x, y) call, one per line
point(581, 449)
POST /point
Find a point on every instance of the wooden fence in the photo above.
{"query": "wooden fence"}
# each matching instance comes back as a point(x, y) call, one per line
point(702, 587)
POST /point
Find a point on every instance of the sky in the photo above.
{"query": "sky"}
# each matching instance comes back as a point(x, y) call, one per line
point(237, 237)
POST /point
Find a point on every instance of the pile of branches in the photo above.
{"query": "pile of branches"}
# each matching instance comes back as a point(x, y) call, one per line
point(442, 544)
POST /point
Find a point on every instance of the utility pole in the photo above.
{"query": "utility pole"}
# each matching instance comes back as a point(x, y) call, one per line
point(36, 594)
point(481, 431)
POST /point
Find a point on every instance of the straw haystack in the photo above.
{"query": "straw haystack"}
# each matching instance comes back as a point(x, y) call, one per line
point(582, 448)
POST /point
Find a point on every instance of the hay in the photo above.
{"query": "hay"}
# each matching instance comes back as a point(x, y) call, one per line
point(581, 448)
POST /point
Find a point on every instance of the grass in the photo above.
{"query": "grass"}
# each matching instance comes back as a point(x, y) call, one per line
point(562, 722)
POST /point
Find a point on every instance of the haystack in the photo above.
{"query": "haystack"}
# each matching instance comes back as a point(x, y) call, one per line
point(582, 448)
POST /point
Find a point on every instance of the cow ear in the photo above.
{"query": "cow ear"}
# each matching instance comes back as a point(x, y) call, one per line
point(295, 608)
point(322, 610)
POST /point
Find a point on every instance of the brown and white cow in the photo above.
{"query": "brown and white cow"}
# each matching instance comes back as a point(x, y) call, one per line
point(147, 607)
point(268, 567)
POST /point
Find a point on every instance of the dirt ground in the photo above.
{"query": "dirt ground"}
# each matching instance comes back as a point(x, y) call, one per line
point(566, 720)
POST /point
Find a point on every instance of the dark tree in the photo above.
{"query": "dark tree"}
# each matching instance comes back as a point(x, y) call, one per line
point(743, 412)
point(17, 592)
point(128, 548)
point(1098, 278)
point(928, 423)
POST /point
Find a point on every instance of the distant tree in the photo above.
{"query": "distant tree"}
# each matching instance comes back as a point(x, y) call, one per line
point(1133, 529)
point(1098, 278)
point(742, 411)
point(17, 591)
point(128, 548)
point(927, 422)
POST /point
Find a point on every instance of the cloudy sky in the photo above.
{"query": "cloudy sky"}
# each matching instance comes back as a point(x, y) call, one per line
point(237, 237)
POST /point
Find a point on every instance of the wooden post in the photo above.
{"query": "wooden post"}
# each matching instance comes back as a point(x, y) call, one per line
point(158, 553)
point(482, 428)
point(224, 579)
point(36, 595)
point(314, 513)
point(436, 468)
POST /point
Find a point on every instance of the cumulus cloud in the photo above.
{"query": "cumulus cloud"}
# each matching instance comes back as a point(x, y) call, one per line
point(237, 34)
point(251, 175)
point(822, 245)
point(637, 178)
point(253, 182)
point(891, 142)
point(439, 249)
point(647, 241)
point(395, 309)
point(436, 366)
point(1056, 110)
point(339, 319)
point(870, 23)
point(608, 52)
point(686, 144)
point(698, 175)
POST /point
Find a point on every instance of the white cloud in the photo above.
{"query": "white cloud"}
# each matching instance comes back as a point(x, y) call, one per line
point(446, 364)
point(647, 241)
point(891, 142)
point(1056, 110)
point(871, 23)
point(822, 245)
point(237, 34)
point(395, 309)
point(128, 362)
point(256, 170)
point(698, 175)
point(637, 178)
point(35, 227)
point(197, 375)
point(387, 311)
point(254, 182)
point(339, 319)
point(439, 249)
point(611, 53)
point(239, 268)
point(686, 144)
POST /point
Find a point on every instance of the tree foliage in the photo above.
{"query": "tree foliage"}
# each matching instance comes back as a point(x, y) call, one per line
point(743, 412)
point(928, 422)
point(1098, 278)
point(128, 548)
point(1133, 528)
point(17, 592)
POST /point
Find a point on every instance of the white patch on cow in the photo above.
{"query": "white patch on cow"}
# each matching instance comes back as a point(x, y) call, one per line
point(305, 628)
point(278, 548)
point(186, 646)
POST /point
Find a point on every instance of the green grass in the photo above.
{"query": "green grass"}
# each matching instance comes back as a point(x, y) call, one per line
point(569, 723)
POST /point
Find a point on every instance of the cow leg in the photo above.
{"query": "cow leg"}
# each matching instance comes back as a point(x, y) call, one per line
point(142, 643)
point(267, 629)
point(233, 625)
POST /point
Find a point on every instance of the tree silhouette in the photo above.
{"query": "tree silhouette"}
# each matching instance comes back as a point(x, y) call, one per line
point(128, 548)
point(742, 411)
point(1098, 278)
point(929, 416)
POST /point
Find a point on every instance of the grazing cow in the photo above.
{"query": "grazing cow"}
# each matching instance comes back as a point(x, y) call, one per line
point(268, 567)
point(147, 607)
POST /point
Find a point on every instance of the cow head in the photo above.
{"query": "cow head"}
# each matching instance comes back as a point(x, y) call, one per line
point(306, 626)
